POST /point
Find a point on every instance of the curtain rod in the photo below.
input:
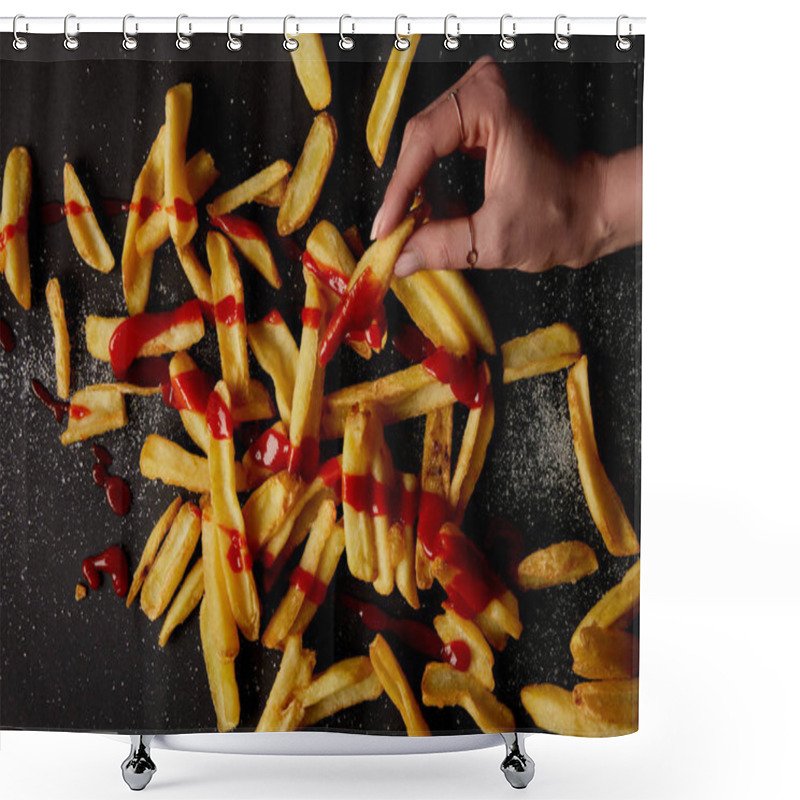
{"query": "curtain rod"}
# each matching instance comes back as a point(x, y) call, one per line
point(574, 26)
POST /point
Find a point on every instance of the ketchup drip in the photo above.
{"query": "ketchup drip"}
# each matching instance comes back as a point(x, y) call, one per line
point(118, 493)
point(228, 311)
point(466, 381)
point(238, 227)
point(133, 333)
point(311, 317)
point(271, 450)
point(274, 317)
point(56, 407)
point(355, 312)
point(7, 341)
point(183, 211)
point(304, 460)
point(432, 515)
point(238, 555)
point(11, 230)
point(189, 391)
point(414, 634)
point(218, 417)
point(412, 343)
point(310, 585)
point(111, 561)
point(328, 276)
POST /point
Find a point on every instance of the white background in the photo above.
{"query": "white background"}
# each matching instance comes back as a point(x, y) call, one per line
point(720, 597)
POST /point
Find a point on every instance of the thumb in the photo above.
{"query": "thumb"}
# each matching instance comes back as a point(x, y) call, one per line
point(445, 244)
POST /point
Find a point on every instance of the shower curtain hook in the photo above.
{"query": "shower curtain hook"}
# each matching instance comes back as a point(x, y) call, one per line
point(129, 42)
point(508, 42)
point(561, 42)
point(401, 42)
point(346, 42)
point(290, 43)
point(234, 42)
point(623, 43)
point(182, 42)
point(20, 42)
point(70, 42)
point(452, 42)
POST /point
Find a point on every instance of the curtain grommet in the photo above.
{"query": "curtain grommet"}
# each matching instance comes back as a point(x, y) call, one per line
point(346, 42)
point(234, 43)
point(129, 42)
point(71, 42)
point(290, 43)
point(20, 43)
point(623, 43)
point(182, 42)
point(561, 42)
point(508, 42)
point(401, 42)
point(452, 42)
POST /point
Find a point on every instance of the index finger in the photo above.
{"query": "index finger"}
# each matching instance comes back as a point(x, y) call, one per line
point(434, 133)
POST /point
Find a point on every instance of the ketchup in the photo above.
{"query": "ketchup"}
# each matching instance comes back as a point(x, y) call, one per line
point(189, 391)
point(432, 515)
point(364, 493)
point(11, 230)
point(238, 227)
point(412, 343)
point(330, 473)
point(118, 493)
point(112, 561)
point(150, 371)
point(304, 460)
point(271, 450)
point(183, 211)
point(238, 555)
point(144, 207)
point(228, 311)
point(7, 341)
point(274, 317)
point(56, 407)
point(466, 381)
point(218, 417)
point(134, 332)
point(310, 585)
point(414, 634)
point(327, 275)
point(311, 317)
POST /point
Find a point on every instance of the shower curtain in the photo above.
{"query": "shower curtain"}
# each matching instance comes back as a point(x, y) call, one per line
point(251, 480)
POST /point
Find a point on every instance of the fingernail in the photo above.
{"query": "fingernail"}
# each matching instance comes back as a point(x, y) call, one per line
point(376, 226)
point(407, 264)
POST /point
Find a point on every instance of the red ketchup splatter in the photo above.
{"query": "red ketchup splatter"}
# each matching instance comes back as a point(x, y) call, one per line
point(365, 494)
point(356, 311)
point(239, 556)
point(182, 211)
point(7, 341)
point(56, 407)
point(328, 276)
point(466, 381)
point(304, 460)
point(11, 230)
point(228, 311)
point(414, 634)
point(310, 585)
point(78, 412)
point(271, 450)
point(412, 343)
point(111, 561)
point(189, 391)
point(218, 417)
point(133, 333)
point(238, 227)
point(311, 317)
point(118, 493)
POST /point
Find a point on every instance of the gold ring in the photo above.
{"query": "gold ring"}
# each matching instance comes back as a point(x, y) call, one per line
point(454, 97)
point(472, 256)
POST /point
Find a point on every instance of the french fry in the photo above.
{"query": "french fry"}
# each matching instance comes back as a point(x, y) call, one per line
point(130, 388)
point(309, 386)
point(613, 702)
point(305, 184)
point(256, 404)
point(615, 609)
point(92, 411)
point(366, 289)
point(412, 392)
point(387, 99)
point(151, 549)
point(284, 709)
point(14, 256)
point(137, 269)
point(183, 370)
point(452, 627)
point(235, 556)
point(165, 460)
point(472, 455)
point(170, 564)
point(304, 581)
point(86, 235)
point(267, 507)
point(181, 336)
point(396, 685)
point(267, 455)
point(442, 685)
point(186, 600)
point(311, 67)
point(58, 317)
point(347, 683)
point(251, 242)
point(543, 350)
point(405, 572)
point(197, 275)
point(563, 562)
point(554, 709)
point(353, 239)
point(276, 351)
point(435, 484)
point(273, 197)
point(389, 539)
point(223, 637)
point(228, 292)
point(248, 191)
point(221, 675)
point(179, 202)
point(605, 653)
point(201, 174)
point(604, 504)
point(359, 529)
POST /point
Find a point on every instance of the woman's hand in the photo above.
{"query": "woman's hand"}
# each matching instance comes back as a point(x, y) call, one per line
point(539, 210)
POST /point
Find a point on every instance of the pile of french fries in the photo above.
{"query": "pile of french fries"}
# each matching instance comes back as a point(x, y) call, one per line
point(394, 530)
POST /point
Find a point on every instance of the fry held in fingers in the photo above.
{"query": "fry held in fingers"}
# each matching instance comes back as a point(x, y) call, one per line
point(83, 227)
point(179, 203)
point(564, 562)
point(14, 256)
point(604, 503)
point(58, 317)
